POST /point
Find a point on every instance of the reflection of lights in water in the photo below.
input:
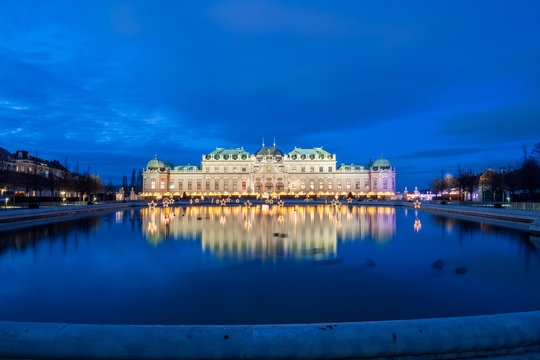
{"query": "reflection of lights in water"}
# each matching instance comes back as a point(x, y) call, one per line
point(151, 227)
point(269, 232)
point(417, 225)
point(119, 217)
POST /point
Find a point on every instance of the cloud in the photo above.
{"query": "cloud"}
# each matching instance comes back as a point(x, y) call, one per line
point(507, 124)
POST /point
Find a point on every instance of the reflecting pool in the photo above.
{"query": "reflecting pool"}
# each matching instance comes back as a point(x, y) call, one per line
point(263, 264)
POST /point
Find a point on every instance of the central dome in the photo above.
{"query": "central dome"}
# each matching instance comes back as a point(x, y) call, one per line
point(267, 150)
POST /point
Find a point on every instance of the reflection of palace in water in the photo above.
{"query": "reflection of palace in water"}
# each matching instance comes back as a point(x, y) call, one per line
point(269, 232)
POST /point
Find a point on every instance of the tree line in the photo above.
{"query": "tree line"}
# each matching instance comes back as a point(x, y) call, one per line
point(84, 185)
point(519, 182)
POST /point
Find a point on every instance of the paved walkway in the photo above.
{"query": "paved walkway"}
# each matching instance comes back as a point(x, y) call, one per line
point(532, 218)
point(29, 214)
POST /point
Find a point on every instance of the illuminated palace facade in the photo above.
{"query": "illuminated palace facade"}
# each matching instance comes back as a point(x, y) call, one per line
point(269, 171)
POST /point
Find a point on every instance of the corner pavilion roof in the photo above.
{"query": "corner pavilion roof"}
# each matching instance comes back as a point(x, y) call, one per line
point(186, 167)
point(222, 152)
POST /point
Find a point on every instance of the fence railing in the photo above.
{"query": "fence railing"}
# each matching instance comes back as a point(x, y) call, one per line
point(528, 206)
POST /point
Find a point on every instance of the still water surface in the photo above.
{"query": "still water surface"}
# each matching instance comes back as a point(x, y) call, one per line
point(234, 265)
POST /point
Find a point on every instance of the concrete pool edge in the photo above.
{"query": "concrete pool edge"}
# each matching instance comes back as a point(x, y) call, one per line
point(33, 214)
point(463, 337)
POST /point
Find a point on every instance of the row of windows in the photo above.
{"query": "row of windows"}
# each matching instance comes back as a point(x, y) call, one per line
point(234, 169)
point(311, 169)
point(225, 169)
point(340, 185)
point(235, 185)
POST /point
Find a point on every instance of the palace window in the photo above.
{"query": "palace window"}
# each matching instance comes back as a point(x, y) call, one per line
point(208, 185)
point(234, 169)
point(163, 185)
point(321, 169)
point(180, 185)
point(312, 185)
point(216, 168)
point(321, 185)
point(303, 169)
point(226, 185)
point(348, 184)
point(330, 185)
point(293, 185)
point(329, 169)
point(366, 184)
point(199, 185)
point(153, 184)
point(234, 185)
point(375, 183)
point(189, 185)
point(171, 186)
point(339, 185)
point(312, 169)
point(225, 168)
point(358, 185)
point(216, 185)
point(243, 185)
point(385, 184)
point(294, 168)
point(243, 169)
point(303, 185)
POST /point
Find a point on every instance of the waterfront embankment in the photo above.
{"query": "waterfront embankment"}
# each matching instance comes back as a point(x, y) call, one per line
point(501, 336)
point(32, 214)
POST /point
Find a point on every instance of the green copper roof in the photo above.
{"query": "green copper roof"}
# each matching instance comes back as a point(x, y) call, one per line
point(382, 164)
point(369, 164)
point(187, 168)
point(155, 164)
point(221, 153)
point(301, 154)
point(350, 167)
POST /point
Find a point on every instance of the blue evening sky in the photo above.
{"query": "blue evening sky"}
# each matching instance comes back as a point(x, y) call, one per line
point(428, 83)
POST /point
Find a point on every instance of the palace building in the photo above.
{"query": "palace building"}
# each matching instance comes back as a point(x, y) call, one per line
point(269, 171)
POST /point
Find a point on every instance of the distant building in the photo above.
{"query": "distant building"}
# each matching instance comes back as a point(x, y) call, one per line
point(21, 163)
point(490, 185)
point(269, 171)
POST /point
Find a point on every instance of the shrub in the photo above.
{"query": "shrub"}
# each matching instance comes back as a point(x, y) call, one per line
point(90, 203)
point(444, 202)
point(497, 206)
point(33, 206)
